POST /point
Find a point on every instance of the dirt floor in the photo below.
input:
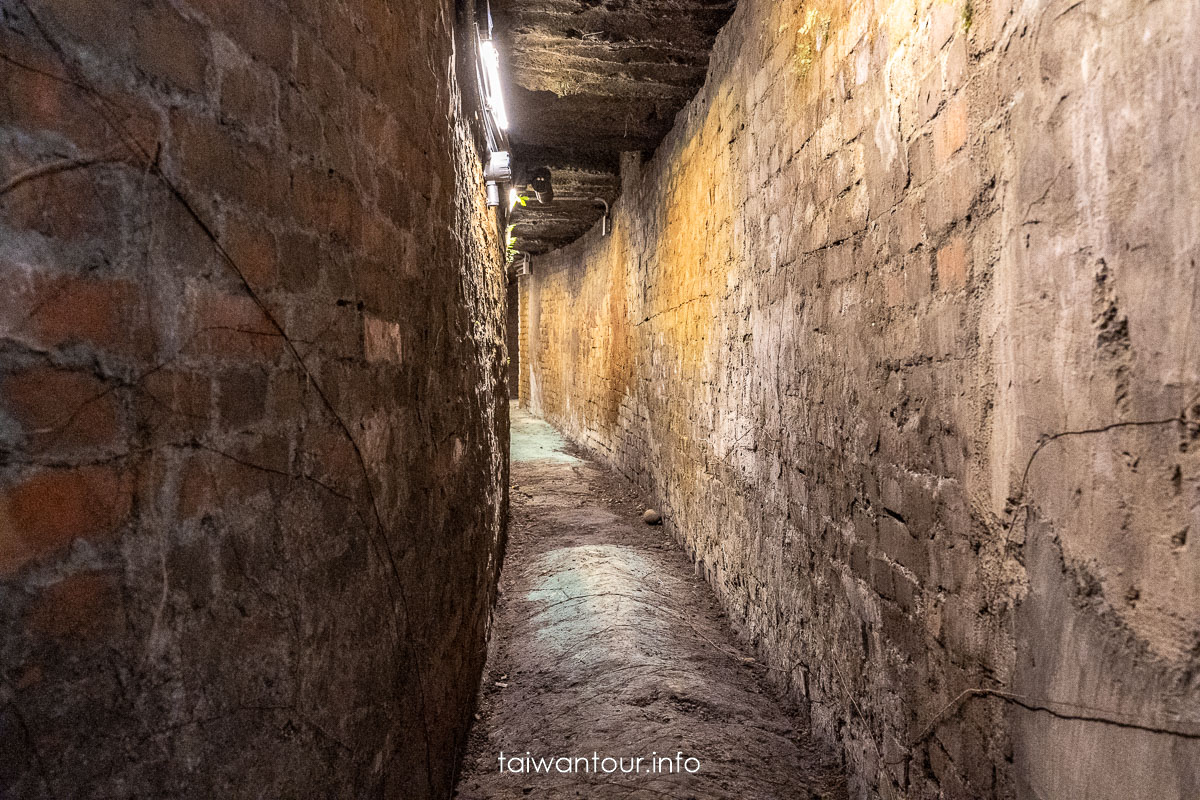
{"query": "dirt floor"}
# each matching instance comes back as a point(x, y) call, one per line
point(607, 646)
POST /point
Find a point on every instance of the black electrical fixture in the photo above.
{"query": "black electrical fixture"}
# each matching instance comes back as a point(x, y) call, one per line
point(543, 186)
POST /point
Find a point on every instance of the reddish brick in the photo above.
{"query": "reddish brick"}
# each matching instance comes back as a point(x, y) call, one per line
point(918, 274)
point(343, 39)
point(193, 496)
point(331, 456)
point(203, 145)
point(299, 261)
point(929, 95)
point(949, 130)
point(300, 123)
point(232, 326)
point(259, 28)
point(83, 604)
point(54, 507)
point(242, 397)
point(184, 393)
point(382, 340)
point(396, 199)
point(920, 160)
point(42, 101)
point(909, 227)
point(248, 96)
point(952, 264)
point(56, 311)
point(211, 482)
point(334, 331)
point(73, 205)
point(954, 66)
point(317, 73)
point(216, 158)
point(60, 408)
point(253, 249)
point(943, 21)
point(383, 131)
point(270, 453)
point(174, 403)
point(35, 89)
point(91, 22)
point(287, 394)
point(950, 195)
point(167, 46)
point(102, 313)
point(327, 202)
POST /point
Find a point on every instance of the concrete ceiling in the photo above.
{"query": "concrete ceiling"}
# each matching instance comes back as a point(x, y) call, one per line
point(586, 80)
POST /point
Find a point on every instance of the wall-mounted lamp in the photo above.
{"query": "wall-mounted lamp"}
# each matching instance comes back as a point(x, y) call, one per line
point(498, 171)
point(491, 72)
point(603, 219)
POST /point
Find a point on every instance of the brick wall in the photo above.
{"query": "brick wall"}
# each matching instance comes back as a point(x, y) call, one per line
point(252, 423)
point(896, 326)
point(512, 338)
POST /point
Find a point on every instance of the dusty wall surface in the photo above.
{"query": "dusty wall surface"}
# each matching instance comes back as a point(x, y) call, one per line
point(253, 427)
point(899, 325)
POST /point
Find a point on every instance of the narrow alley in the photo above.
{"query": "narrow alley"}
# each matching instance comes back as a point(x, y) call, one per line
point(606, 646)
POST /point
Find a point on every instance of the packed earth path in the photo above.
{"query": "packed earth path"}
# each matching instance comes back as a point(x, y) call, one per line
point(607, 649)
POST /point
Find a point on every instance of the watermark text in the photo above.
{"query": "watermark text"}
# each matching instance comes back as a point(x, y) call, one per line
point(653, 764)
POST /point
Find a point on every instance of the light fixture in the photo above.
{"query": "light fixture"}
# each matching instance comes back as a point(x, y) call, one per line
point(497, 171)
point(604, 218)
point(495, 96)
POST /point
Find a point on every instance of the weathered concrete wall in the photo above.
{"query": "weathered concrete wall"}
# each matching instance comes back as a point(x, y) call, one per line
point(899, 326)
point(253, 427)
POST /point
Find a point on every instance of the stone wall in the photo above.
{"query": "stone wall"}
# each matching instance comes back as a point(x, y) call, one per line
point(898, 326)
point(253, 428)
